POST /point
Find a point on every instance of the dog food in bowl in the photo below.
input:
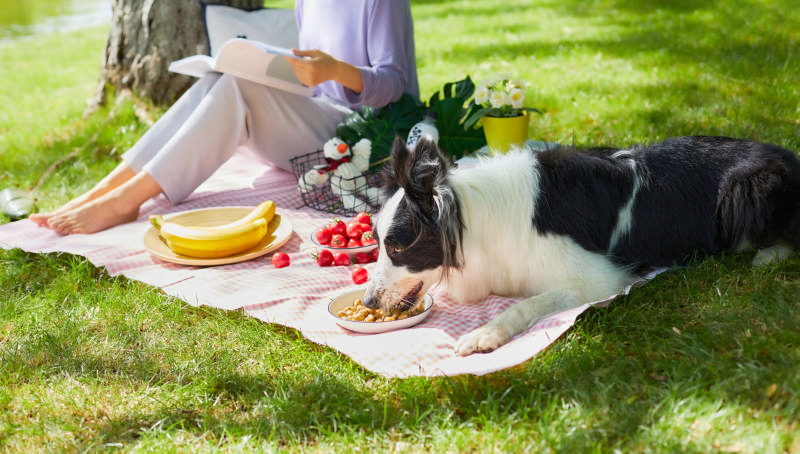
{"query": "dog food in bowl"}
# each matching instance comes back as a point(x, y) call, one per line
point(360, 313)
point(354, 315)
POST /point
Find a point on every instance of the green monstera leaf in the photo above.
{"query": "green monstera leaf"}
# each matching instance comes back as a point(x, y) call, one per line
point(452, 108)
point(380, 126)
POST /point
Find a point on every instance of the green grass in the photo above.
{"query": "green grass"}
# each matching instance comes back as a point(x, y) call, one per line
point(705, 359)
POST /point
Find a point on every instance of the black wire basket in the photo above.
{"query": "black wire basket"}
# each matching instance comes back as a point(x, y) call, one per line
point(323, 197)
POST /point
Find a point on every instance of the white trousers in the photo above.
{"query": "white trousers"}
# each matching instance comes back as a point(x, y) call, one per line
point(221, 113)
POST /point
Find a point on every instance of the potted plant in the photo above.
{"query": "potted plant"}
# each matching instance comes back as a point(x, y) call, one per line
point(500, 108)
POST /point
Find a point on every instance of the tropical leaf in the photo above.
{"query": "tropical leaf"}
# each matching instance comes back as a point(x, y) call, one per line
point(452, 106)
point(381, 126)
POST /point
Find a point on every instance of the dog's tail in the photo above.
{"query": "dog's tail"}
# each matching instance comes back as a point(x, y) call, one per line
point(759, 202)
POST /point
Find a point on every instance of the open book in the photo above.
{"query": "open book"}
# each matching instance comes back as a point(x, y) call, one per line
point(248, 59)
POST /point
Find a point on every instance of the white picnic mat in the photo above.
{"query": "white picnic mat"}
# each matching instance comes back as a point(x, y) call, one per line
point(295, 296)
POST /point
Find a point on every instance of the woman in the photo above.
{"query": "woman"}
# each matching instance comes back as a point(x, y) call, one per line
point(361, 54)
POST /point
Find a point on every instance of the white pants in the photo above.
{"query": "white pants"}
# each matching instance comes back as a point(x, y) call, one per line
point(217, 115)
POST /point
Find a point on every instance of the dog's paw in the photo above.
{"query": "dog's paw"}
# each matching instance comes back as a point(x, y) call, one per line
point(482, 340)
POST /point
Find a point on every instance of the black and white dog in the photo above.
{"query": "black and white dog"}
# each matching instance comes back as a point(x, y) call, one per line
point(565, 228)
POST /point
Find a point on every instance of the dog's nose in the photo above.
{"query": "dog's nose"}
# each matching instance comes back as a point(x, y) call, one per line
point(370, 301)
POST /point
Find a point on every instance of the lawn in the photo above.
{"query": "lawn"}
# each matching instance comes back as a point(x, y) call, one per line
point(705, 359)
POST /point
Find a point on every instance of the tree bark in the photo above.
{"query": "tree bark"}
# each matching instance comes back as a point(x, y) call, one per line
point(145, 36)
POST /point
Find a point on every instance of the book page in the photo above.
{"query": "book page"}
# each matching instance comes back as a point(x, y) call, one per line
point(195, 66)
point(261, 63)
point(251, 60)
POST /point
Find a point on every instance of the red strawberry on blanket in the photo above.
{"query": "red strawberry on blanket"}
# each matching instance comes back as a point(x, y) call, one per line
point(359, 275)
point(280, 260)
point(341, 259)
point(324, 258)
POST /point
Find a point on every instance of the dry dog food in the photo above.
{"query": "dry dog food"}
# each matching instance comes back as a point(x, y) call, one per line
point(360, 313)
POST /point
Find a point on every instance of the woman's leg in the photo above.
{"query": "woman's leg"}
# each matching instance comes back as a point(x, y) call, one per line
point(116, 206)
point(177, 155)
point(148, 146)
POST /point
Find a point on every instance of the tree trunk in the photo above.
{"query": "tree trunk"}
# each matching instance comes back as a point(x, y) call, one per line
point(145, 36)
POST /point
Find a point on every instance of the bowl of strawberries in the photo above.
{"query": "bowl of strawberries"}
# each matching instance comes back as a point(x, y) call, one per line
point(352, 236)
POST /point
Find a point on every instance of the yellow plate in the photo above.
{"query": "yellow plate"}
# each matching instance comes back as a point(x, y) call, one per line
point(279, 232)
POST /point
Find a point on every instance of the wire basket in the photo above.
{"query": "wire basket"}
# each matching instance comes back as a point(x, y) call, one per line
point(325, 196)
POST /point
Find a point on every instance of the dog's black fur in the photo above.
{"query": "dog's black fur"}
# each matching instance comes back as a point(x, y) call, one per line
point(699, 195)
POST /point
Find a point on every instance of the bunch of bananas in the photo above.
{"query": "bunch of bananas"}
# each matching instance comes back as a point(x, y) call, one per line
point(218, 241)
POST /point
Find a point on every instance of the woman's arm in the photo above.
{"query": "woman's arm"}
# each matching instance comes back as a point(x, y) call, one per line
point(315, 67)
point(359, 56)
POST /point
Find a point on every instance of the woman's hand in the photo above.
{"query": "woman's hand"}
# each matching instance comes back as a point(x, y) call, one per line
point(314, 67)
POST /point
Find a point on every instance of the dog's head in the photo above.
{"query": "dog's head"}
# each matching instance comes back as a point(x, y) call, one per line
point(418, 228)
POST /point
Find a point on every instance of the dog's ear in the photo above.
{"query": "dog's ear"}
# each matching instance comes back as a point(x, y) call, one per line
point(394, 173)
point(425, 170)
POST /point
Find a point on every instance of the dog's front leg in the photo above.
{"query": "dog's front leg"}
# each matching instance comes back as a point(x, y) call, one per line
point(515, 320)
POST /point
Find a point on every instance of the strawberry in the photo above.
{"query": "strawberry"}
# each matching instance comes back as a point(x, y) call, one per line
point(374, 254)
point(363, 218)
point(338, 240)
point(337, 226)
point(363, 257)
point(324, 235)
point(324, 258)
point(280, 259)
point(341, 259)
point(367, 239)
point(353, 242)
point(359, 275)
point(356, 229)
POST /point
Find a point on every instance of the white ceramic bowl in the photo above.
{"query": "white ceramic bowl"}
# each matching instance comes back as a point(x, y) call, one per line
point(373, 327)
point(351, 251)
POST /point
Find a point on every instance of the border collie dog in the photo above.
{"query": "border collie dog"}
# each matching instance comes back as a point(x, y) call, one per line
point(564, 228)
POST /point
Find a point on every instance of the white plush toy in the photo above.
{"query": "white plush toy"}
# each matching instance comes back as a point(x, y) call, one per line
point(344, 168)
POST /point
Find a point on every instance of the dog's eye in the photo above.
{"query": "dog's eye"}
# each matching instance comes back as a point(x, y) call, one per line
point(393, 248)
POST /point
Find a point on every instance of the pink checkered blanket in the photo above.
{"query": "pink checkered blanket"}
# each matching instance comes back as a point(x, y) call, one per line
point(296, 296)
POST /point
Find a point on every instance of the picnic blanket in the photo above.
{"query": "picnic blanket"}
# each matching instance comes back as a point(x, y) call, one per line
point(296, 296)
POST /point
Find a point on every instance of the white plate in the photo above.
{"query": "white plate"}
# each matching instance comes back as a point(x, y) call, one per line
point(373, 327)
point(278, 233)
point(351, 251)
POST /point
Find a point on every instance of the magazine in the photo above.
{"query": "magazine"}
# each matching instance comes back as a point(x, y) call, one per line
point(251, 60)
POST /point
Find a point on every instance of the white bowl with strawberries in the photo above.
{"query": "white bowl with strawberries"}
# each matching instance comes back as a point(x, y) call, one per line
point(352, 237)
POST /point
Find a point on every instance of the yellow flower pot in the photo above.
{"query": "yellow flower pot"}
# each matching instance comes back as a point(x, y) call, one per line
point(504, 133)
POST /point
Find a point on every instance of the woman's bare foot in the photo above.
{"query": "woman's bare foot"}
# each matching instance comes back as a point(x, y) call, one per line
point(119, 176)
point(94, 216)
point(43, 219)
point(117, 206)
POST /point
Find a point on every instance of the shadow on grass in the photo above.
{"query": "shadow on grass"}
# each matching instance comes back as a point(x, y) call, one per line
point(717, 335)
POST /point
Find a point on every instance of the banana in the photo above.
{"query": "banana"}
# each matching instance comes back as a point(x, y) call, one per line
point(217, 241)
point(264, 210)
point(210, 242)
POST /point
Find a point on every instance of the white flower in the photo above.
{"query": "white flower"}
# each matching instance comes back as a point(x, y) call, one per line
point(481, 94)
point(517, 97)
point(502, 77)
point(498, 99)
point(519, 83)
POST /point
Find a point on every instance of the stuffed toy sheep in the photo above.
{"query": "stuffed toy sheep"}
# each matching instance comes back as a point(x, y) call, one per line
point(344, 168)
